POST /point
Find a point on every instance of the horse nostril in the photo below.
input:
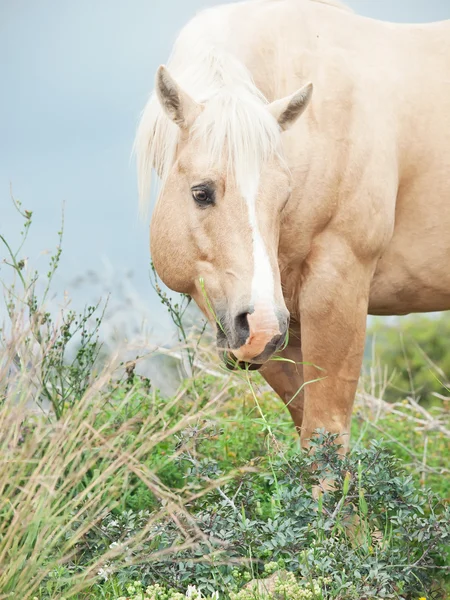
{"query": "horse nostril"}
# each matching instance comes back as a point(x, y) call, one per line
point(242, 327)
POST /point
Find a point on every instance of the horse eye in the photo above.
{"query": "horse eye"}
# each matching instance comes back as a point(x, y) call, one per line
point(203, 196)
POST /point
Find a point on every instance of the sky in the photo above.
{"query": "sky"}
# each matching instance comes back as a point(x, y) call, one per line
point(74, 78)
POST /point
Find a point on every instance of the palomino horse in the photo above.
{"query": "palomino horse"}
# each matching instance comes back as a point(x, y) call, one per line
point(267, 218)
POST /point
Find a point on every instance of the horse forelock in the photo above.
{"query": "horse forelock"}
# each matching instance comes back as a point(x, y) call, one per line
point(237, 133)
point(235, 125)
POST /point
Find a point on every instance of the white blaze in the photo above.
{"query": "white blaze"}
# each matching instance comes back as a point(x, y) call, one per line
point(262, 281)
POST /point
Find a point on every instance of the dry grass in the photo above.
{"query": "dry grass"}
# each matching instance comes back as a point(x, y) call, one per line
point(58, 478)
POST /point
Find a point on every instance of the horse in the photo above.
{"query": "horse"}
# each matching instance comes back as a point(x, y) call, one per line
point(303, 160)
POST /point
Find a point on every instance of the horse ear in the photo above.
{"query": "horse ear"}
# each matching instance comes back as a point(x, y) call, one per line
point(177, 104)
point(287, 110)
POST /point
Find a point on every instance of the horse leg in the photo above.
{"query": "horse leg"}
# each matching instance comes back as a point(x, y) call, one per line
point(286, 377)
point(333, 310)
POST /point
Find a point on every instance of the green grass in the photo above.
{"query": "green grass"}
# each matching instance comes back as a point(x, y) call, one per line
point(229, 435)
point(124, 453)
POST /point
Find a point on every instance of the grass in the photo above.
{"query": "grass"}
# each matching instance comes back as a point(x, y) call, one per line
point(125, 450)
point(59, 479)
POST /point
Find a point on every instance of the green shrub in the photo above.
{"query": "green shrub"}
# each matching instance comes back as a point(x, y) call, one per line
point(63, 350)
point(373, 535)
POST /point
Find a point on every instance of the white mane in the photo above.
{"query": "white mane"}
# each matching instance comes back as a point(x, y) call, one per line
point(335, 3)
point(235, 117)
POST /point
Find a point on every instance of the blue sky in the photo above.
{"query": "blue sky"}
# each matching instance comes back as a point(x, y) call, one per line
point(74, 78)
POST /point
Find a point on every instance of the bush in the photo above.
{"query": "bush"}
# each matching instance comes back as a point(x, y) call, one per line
point(373, 535)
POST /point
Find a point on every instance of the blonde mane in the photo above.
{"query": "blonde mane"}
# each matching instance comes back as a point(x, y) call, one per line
point(335, 3)
point(235, 119)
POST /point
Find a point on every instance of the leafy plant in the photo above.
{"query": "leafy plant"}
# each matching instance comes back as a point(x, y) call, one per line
point(373, 534)
point(178, 311)
point(64, 351)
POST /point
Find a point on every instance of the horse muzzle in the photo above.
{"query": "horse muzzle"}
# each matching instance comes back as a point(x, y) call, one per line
point(253, 335)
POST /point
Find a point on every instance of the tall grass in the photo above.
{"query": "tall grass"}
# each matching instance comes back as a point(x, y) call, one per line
point(74, 444)
point(59, 478)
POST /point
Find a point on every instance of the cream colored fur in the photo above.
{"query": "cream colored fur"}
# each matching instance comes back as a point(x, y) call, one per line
point(349, 208)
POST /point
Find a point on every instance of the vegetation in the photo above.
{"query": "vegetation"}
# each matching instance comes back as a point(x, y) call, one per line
point(108, 489)
point(416, 352)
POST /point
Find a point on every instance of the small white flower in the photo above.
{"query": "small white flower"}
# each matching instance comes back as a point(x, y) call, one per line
point(104, 574)
point(193, 592)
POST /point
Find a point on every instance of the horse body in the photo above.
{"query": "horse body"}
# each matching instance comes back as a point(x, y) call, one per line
point(365, 228)
point(413, 273)
point(380, 132)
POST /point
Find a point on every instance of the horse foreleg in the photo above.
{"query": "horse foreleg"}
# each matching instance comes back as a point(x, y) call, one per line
point(285, 377)
point(333, 310)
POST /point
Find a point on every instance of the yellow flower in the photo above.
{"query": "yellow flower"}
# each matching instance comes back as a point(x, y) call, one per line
point(422, 598)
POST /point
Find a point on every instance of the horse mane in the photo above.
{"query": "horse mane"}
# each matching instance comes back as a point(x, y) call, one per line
point(235, 118)
point(335, 3)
